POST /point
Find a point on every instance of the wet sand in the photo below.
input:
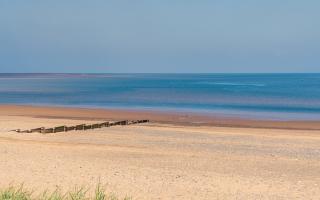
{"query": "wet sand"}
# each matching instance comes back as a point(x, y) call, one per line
point(168, 158)
point(174, 118)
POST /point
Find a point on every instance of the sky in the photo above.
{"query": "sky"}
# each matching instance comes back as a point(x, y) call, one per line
point(160, 36)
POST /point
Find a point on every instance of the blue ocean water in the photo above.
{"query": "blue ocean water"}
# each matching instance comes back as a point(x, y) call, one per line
point(266, 96)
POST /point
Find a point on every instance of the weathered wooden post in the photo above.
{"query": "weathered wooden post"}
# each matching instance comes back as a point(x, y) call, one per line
point(70, 128)
point(48, 130)
point(86, 127)
point(80, 127)
point(59, 129)
point(94, 126)
point(37, 130)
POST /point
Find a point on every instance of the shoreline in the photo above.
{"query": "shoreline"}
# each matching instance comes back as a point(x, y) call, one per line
point(160, 117)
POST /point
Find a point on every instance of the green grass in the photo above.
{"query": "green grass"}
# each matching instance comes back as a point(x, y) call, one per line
point(79, 193)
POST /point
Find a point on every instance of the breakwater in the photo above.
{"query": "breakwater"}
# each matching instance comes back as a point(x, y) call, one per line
point(80, 127)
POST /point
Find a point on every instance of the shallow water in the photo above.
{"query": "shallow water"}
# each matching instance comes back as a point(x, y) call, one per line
point(265, 96)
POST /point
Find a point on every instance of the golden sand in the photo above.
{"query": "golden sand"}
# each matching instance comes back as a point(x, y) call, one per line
point(159, 160)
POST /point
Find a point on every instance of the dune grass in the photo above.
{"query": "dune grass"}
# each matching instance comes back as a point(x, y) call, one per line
point(79, 193)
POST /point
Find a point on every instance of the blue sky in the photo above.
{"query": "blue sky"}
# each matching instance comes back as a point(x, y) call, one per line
point(160, 36)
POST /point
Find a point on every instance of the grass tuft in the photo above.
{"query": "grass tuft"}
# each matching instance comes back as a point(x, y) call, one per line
point(15, 193)
point(79, 193)
point(55, 195)
point(100, 193)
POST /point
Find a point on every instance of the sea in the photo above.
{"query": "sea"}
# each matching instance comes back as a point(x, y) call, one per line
point(252, 96)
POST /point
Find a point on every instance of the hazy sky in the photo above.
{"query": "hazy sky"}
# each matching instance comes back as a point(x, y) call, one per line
point(159, 36)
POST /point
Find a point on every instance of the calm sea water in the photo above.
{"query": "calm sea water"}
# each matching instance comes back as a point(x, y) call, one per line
point(266, 96)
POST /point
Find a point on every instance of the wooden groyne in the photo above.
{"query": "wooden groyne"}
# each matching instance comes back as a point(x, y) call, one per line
point(81, 127)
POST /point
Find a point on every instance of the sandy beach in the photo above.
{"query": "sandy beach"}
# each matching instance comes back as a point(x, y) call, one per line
point(175, 156)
